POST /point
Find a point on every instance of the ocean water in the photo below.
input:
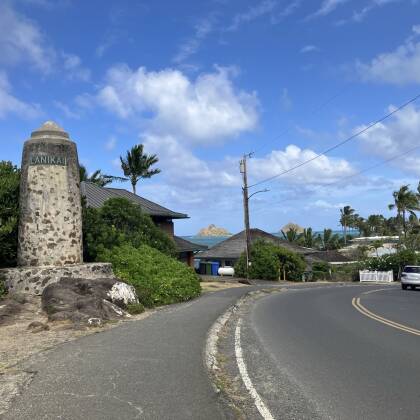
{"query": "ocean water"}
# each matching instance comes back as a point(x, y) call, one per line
point(214, 240)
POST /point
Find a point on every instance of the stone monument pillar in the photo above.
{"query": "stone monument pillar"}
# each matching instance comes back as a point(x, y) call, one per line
point(50, 223)
point(50, 229)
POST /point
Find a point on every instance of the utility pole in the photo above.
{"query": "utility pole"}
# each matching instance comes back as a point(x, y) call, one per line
point(243, 170)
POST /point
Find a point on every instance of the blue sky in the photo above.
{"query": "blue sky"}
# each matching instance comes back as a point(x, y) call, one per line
point(200, 83)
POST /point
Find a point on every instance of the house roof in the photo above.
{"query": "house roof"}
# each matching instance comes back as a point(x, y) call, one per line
point(233, 247)
point(183, 245)
point(96, 197)
point(332, 256)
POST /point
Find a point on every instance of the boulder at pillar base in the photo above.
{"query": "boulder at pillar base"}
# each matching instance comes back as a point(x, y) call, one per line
point(87, 301)
point(33, 280)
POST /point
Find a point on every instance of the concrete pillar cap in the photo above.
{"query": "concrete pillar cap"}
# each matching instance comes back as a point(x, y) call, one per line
point(50, 129)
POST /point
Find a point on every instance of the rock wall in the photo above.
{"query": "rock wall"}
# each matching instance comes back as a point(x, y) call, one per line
point(33, 280)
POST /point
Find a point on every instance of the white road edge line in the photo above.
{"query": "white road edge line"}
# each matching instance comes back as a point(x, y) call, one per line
point(262, 408)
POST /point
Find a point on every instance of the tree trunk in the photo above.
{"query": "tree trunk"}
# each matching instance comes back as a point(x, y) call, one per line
point(345, 234)
point(134, 188)
point(405, 230)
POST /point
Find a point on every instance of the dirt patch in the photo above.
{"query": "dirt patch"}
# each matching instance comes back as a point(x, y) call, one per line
point(18, 342)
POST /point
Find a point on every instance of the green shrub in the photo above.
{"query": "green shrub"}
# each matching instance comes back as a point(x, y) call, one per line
point(119, 222)
point(157, 278)
point(346, 272)
point(321, 266)
point(270, 262)
point(135, 308)
point(9, 213)
point(394, 262)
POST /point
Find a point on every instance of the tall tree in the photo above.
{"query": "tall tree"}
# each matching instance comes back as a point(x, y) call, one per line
point(307, 238)
point(346, 220)
point(328, 240)
point(405, 201)
point(290, 235)
point(98, 177)
point(137, 165)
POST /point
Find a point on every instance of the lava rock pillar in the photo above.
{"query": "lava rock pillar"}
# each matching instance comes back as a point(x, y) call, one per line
point(50, 226)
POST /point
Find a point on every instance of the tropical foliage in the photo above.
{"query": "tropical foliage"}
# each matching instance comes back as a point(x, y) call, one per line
point(394, 262)
point(271, 262)
point(347, 219)
point(98, 177)
point(157, 278)
point(137, 165)
point(119, 222)
point(9, 213)
point(405, 202)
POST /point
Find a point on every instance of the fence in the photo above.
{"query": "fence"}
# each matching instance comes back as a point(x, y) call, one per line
point(376, 276)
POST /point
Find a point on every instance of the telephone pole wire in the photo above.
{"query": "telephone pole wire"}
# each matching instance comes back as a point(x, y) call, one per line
point(243, 170)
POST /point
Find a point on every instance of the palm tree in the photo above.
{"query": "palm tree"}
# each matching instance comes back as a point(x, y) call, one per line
point(137, 165)
point(307, 238)
point(405, 201)
point(97, 177)
point(329, 240)
point(346, 219)
point(291, 235)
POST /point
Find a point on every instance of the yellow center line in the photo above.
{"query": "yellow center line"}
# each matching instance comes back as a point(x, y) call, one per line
point(363, 310)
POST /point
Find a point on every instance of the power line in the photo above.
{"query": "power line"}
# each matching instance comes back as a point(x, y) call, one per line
point(373, 166)
point(362, 171)
point(336, 146)
point(313, 112)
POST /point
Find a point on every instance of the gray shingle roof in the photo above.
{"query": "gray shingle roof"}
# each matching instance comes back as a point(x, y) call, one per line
point(183, 245)
point(233, 247)
point(329, 256)
point(96, 197)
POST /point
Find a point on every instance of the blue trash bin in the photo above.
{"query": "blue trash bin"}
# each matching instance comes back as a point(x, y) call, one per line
point(215, 268)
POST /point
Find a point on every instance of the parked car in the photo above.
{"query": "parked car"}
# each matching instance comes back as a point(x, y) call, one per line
point(410, 276)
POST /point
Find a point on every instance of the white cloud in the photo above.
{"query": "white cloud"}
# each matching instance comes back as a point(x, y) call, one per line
point(322, 204)
point(285, 101)
point(401, 66)
point(184, 169)
point(21, 40)
point(323, 170)
point(287, 11)
point(73, 67)
point(65, 109)
point(9, 104)
point(309, 48)
point(326, 7)
point(191, 46)
point(203, 110)
point(261, 9)
point(111, 143)
point(402, 133)
point(416, 29)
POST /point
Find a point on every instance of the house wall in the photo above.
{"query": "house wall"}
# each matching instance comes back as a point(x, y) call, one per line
point(164, 224)
point(187, 258)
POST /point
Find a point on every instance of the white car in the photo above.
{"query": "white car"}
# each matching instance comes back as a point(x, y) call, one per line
point(410, 277)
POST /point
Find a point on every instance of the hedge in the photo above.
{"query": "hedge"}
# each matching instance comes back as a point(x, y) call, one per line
point(157, 278)
point(270, 262)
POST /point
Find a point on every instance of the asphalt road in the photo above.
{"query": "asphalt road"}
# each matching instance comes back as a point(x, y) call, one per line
point(149, 369)
point(311, 354)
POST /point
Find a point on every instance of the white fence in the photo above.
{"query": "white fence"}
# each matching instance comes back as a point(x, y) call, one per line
point(376, 276)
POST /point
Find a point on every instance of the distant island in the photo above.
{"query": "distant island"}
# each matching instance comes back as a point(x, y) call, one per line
point(213, 230)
